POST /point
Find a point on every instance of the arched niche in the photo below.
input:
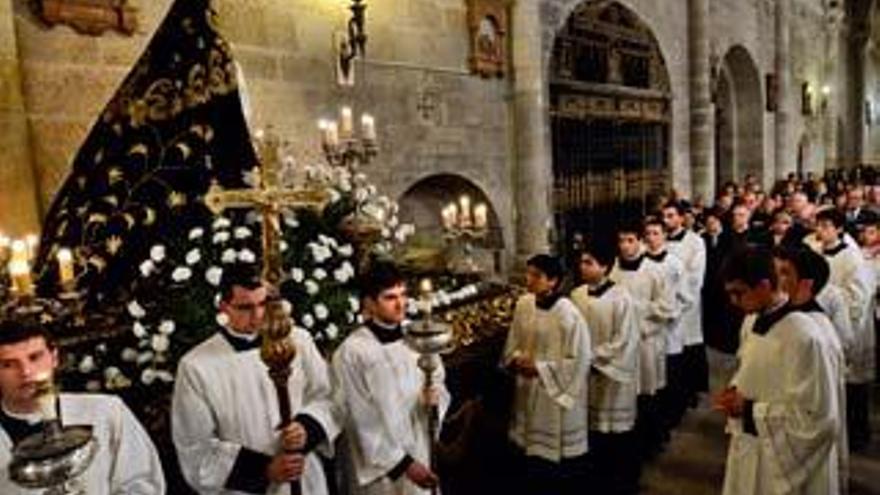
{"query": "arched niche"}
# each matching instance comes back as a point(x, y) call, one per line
point(421, 205)
point(740, 117)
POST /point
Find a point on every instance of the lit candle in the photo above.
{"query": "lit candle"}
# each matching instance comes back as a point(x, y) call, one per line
point(465, 214)
point(347, 120)
point(453, 215)
point(65, 266)
point(332, 133)
point(322, 126)
point(426, 287)
point(20, 273)
point(368, 127)
point(32, 242)
point(19, 250)
point(480, 216)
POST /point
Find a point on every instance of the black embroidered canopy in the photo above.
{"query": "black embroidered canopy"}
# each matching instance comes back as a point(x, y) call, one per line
point(175, 124)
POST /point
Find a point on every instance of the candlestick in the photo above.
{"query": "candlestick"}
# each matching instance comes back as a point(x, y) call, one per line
point(368, 127)
point(46, 397)
point(347, 122)
point(65, 266)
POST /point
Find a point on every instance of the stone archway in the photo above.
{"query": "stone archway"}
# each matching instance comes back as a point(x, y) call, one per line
point(739, 117)
point(422, 203)
point(610, 117)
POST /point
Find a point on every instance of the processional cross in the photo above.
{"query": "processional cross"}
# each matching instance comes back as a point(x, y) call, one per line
point(268, 197)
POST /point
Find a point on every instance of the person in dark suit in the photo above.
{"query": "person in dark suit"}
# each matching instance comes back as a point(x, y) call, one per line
point(718, 316)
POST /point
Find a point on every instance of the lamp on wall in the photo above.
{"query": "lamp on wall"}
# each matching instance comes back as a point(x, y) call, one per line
point(354, 43)
point(806, 99)
point(826, 94)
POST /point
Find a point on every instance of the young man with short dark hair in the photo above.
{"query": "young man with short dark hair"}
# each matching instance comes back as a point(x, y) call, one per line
point(225, 411)
point(382, 390)
point(781, 403)
point(126, 460)
point(548, 349)
point(608, 311)
point(851, 272)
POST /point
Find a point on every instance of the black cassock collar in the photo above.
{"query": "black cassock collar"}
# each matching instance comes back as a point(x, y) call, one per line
point(835, 250)
point(241, 344)
point(677, 237)
point(810, 306)
point(630, 265)
point(659, 257)
point(385, 334)
point(600, 289)
point(766, 321)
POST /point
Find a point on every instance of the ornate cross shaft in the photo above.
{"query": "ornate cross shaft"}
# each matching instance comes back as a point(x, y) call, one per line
point(269, 197)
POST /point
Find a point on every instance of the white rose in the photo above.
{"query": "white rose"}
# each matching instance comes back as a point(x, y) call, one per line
point(308, 321)
point(312, 287)
point(297, 275)
point(341, 275)
point(160, 343)
point(221, 223)
point(371, 189)
point(213, 275)
point(139, 330)
point(157, 253)
point(87, 365)
point(393, 221)
point(111, 373)
point(229, 256)
point(360, 178)
point(181, 274)
point(345, 185)
point(334, 196)
point(321, 311)
point(145, 357)
point(319, 274)
point(349, 317)
point(354, 303)
point(167, 327)
point(247, 256)
point(283, 246)
point(148, 376)
point(346, 250)
point(286, 307)
point(386, 232)
point(222, 319)
point(147, 267)
point(196, 233)
point(290, 220)
point(242, 232)
point(129, 355)
point(332, 331)
point(193, 256)
point(136, 310)
point(164, 376)
point(360, 195)
point(221, 237)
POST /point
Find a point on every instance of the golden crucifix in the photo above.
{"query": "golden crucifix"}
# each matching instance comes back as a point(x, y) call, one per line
point(268, 196)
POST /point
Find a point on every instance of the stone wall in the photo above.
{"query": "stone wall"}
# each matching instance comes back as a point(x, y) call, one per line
point(433, 116)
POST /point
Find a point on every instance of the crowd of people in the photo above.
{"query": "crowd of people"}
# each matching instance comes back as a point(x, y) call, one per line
point(603, 369)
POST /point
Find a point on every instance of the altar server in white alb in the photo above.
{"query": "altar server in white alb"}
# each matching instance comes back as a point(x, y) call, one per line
point(383, 393)
point(782, 403)
point(548, 349)
point(608, 310)
point(691, 250)
point(225, 414)
point(655, 307)
point(852, 273)
point(126, 460)
point(803, 274)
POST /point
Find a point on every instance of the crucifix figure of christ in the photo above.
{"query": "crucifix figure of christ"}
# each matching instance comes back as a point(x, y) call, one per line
point(268, 197)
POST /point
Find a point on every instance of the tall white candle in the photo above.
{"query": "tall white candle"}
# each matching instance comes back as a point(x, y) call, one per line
point(19, 250)
point(32, 243)
point(347, 122)
point(368, 127)
point(332, 133)
point(465, 213)
point(480, 215)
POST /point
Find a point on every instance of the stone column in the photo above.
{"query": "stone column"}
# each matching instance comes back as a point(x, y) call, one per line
point(19, 211)
point(701, 112)
point(784, 159)
point(860, 33)
point(533, 161)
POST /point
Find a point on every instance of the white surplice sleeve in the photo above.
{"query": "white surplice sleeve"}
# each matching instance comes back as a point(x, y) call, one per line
point(205, 460)
point(136, 467)
point(802, 426)
point(832, 302)
point(614, 358)
point(663, 307)
point(318, 400)
point(563, 376)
